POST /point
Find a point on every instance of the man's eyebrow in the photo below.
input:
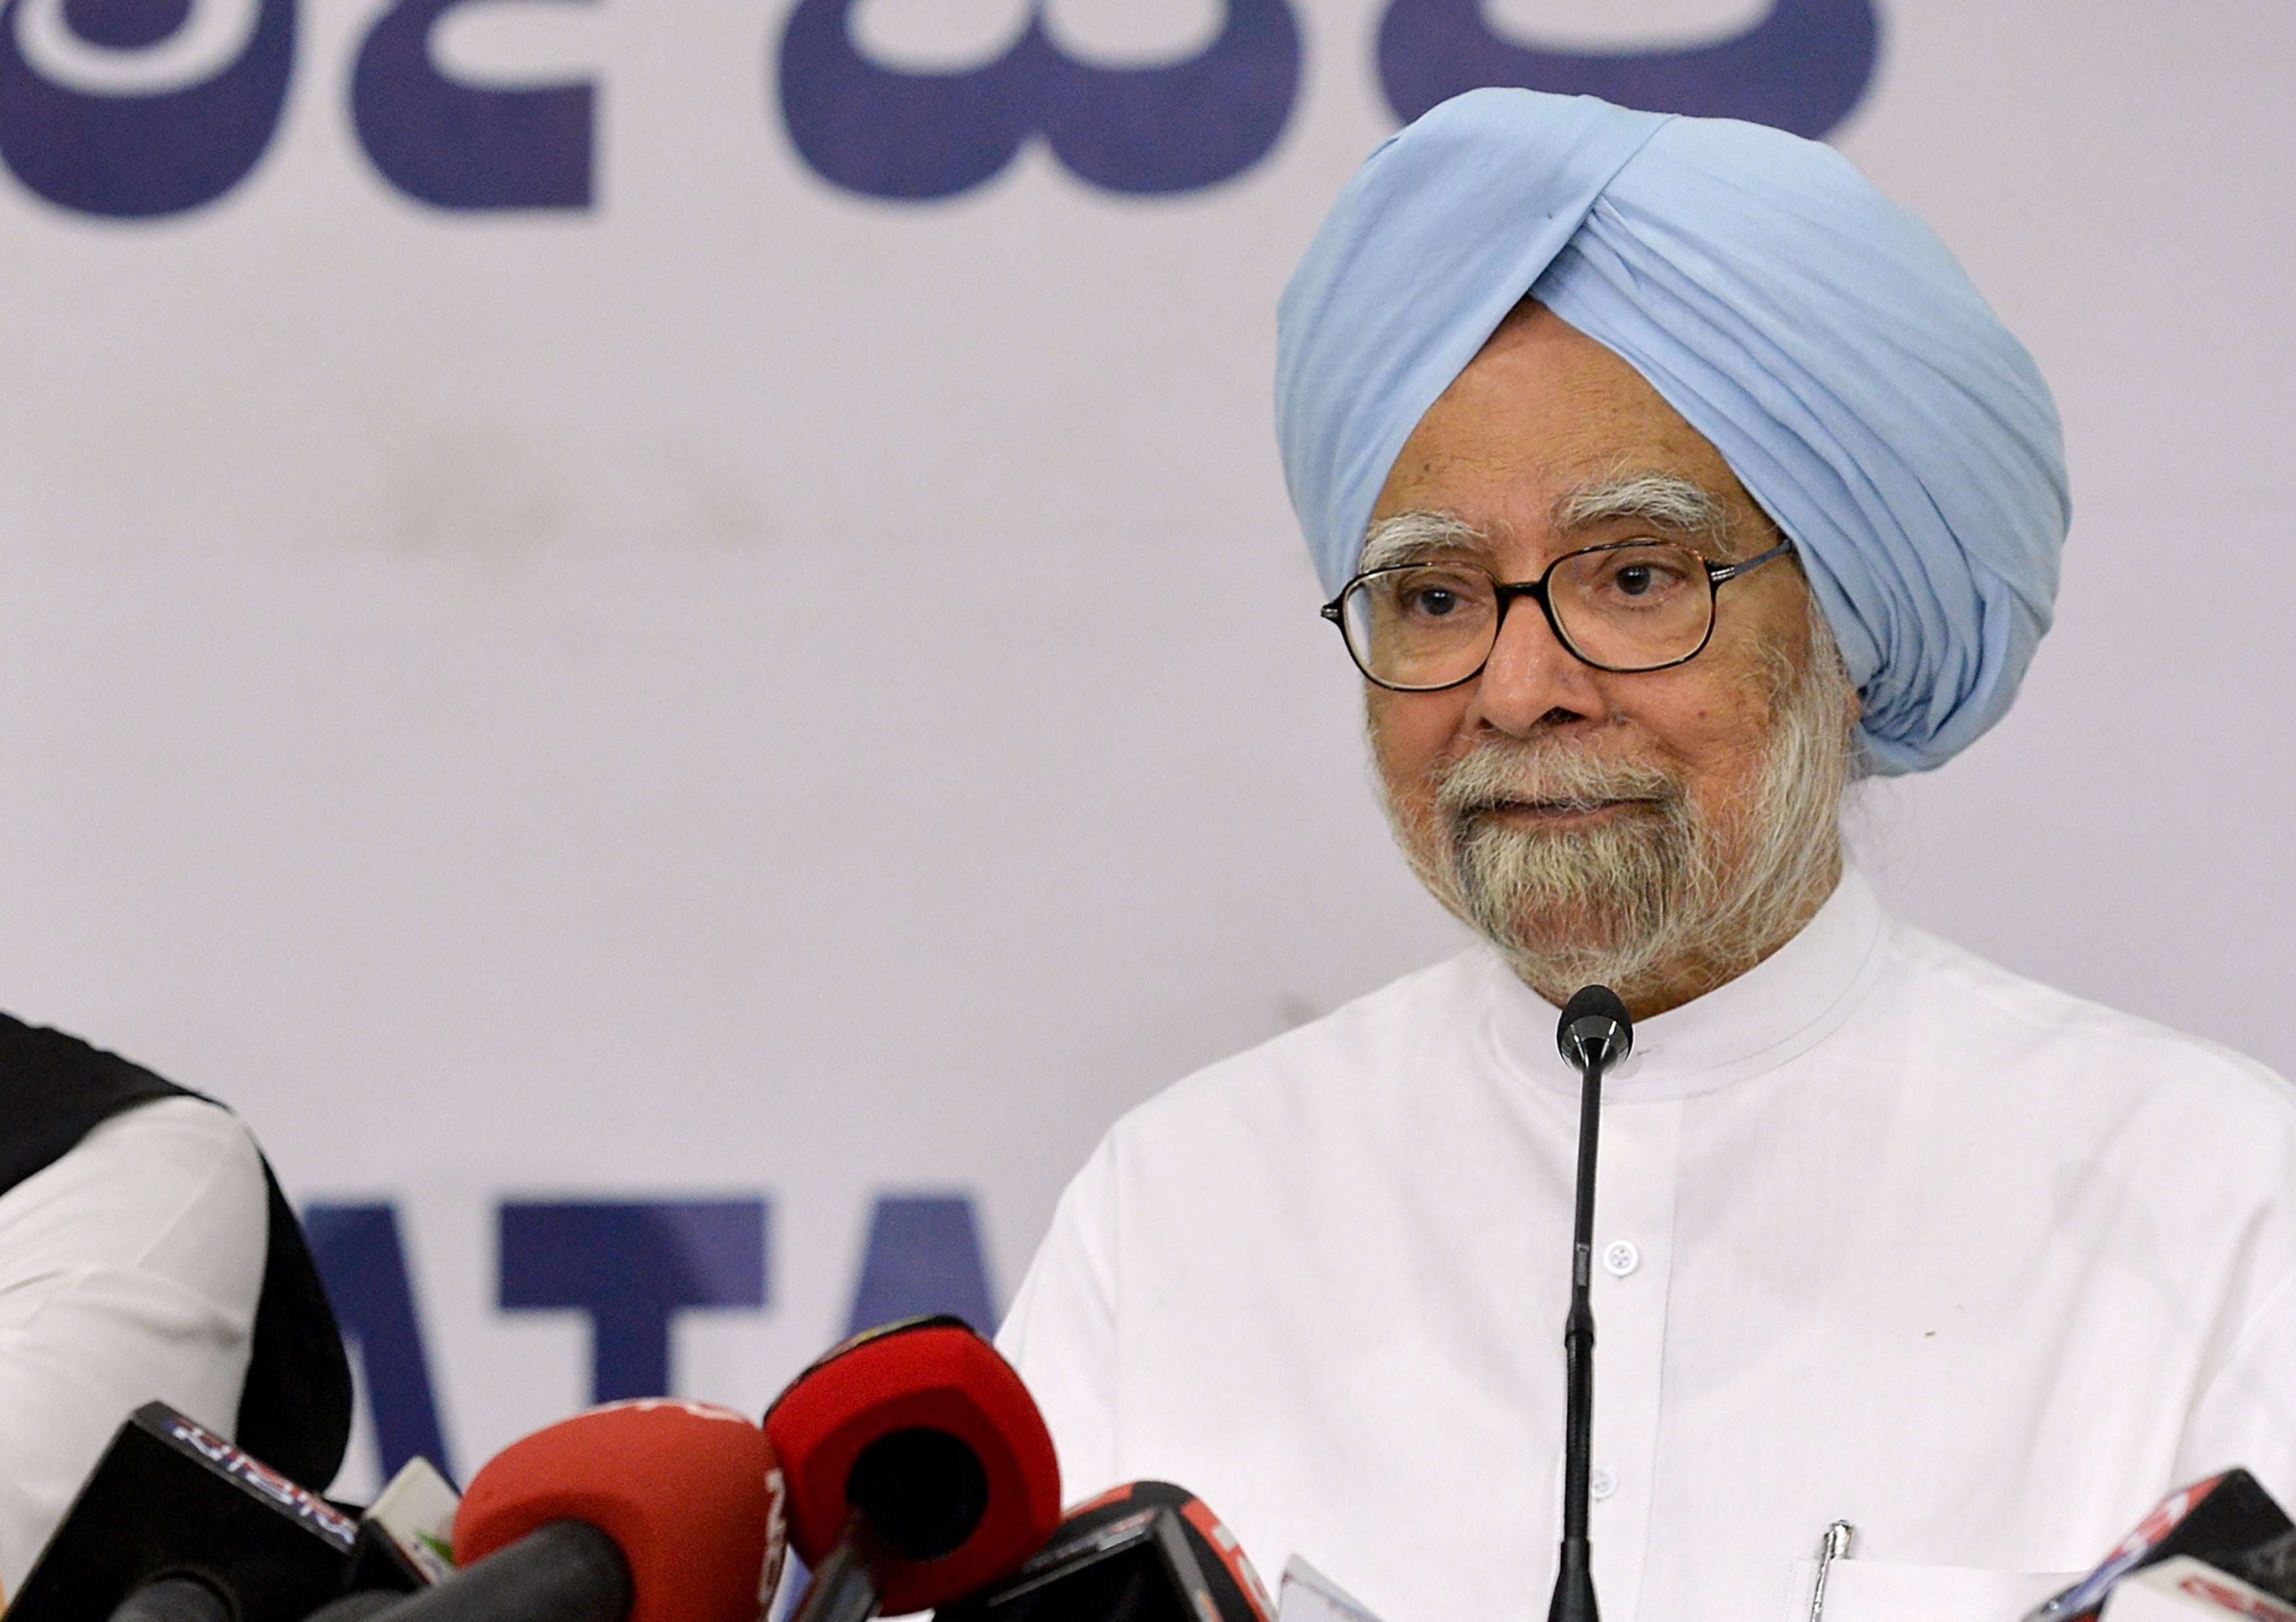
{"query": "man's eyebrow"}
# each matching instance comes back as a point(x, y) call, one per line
point(1407, 537)
point(1667, 501)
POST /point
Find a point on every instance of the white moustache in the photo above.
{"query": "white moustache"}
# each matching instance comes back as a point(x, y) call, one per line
point(1495, 775)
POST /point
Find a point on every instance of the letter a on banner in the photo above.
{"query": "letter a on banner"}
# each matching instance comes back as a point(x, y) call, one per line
point(467, 146)
point(1178, 128)
point(1801, 69)
point(137, 109)
point(924, 1256)
point(364, 1265)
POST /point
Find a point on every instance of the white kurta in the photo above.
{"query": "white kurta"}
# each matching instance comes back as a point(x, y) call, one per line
point(1883, 1233)
point(129, 1271)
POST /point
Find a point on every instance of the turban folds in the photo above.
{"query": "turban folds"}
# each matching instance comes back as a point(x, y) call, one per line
point(1823, 339)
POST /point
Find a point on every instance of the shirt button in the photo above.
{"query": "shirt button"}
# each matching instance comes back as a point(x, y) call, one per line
point(1601, 1482)
point(1620, 1258)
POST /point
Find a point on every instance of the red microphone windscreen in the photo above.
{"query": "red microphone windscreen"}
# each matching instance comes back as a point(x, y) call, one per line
point(689, 1492)
point(924, 1418)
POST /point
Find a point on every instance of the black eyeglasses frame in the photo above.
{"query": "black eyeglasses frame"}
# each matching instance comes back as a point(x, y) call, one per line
point(1717, 575)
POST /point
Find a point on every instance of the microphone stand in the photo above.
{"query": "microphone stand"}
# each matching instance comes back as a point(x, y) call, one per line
point(1593, 1030)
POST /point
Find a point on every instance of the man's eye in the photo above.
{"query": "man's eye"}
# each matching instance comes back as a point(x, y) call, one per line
point(1426, 595)
point(1641, 578)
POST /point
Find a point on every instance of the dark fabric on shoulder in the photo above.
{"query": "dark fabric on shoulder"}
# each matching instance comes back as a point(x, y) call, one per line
point(295, 1408)
point(295, 1413)
point(54, 1090)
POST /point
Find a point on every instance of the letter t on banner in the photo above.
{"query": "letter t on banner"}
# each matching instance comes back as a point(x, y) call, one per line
point(629, 1266)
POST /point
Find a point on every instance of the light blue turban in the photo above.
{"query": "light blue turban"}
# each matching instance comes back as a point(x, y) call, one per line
point(1822, 338)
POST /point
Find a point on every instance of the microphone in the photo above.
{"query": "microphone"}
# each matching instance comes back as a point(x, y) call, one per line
point(1593, 1034)
point(2226, 1512)
point(1145, 1551)
point(919, 1469)
point(649, 1511)
point(176, 1524)
point(406, 1538)
point(1594, 1028)
point(2182, 1589)
point(2270, 1565)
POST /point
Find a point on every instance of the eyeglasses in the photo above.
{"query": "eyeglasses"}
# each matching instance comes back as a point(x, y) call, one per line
point(1623, 606)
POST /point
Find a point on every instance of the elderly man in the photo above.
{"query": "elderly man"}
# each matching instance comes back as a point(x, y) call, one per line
point(1665, 478)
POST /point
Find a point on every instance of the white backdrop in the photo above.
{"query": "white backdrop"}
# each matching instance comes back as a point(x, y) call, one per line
point(747, 691)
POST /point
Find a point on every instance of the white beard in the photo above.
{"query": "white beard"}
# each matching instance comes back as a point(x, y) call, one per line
point(1645, 897)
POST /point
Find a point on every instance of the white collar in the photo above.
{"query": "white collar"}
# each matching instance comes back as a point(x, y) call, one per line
point(1779, 1008)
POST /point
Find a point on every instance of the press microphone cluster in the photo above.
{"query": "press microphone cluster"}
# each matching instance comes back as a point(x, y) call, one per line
point(918, 1471)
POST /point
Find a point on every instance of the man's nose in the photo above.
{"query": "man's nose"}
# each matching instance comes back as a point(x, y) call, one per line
point(1532, 679)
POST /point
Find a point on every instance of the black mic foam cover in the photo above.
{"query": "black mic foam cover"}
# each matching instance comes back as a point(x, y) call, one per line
point(1594, 1014)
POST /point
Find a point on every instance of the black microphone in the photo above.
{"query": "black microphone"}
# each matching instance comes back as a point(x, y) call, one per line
point(1145, 1551)
point(1593, 1034)
point(176, 1524)
point(2231, 1511)
point(2270, 1565)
